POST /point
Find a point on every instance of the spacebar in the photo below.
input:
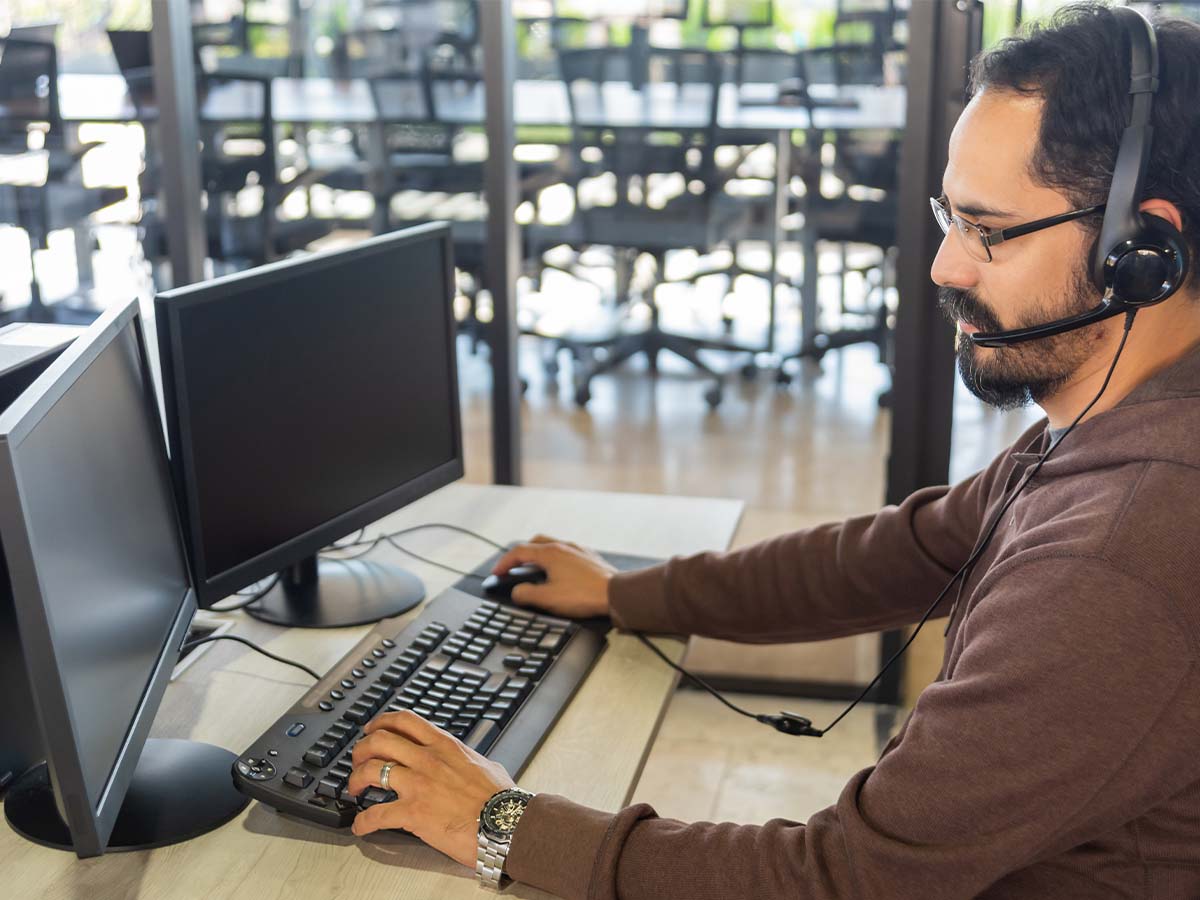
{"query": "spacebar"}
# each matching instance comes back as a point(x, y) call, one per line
point(482, 736)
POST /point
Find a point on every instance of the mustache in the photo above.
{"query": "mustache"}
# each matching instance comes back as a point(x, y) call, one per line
point(958, 305)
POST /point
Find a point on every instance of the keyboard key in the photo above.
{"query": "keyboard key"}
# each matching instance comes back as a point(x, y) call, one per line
point(552, 622)
point(504, 707)
point(374, 795)
point(348, 684)
point(514, 661)
point(509, 639)
point(369, 663)
point(491, 631)
point(358, 673)
point(337, 695)
point(318, 756)
point(524, 685)
point(342, 770)
point(423, 710)
point(468, 670)
point(298, 777)
point(325, 706)
point(388, 643)
point(437, 665)
point(553, 642)
point(530, 671)
point(360, 713)
point(529, 642)
point(379, 654)
point(509, 694)
point(441, 720)
point(494, 685)
point(330, 787)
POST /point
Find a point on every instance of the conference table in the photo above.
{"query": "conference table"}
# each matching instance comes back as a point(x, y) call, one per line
point(748, 110)
point(230, 695)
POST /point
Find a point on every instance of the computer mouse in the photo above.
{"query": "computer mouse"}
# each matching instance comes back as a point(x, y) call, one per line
point(502, 585)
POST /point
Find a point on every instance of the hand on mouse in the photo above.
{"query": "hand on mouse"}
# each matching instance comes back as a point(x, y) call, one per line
point(576, 582)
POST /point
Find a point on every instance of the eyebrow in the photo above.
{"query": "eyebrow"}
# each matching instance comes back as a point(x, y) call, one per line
point(976, 210)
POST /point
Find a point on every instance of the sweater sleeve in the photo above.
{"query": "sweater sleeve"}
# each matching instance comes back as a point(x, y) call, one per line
point(1004, 762)
point(865, 574)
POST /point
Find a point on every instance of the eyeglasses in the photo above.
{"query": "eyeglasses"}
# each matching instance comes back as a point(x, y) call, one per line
point(979, 239)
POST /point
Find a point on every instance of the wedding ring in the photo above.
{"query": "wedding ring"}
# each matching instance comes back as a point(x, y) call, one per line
point(383, 775)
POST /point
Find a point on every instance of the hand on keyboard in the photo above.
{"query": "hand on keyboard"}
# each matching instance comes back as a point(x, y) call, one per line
point(576, 582)
point(441, 784)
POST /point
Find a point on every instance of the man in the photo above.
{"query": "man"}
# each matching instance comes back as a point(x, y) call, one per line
point(1058, 753)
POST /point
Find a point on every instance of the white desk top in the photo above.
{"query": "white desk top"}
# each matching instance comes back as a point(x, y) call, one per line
point(594, 754)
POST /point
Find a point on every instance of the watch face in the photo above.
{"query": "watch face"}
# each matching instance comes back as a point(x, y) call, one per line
point(503, 813)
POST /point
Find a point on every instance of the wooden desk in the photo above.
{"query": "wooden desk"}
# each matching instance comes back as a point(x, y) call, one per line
point(230, 695)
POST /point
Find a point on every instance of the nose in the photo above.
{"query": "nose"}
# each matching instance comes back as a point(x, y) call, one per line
point(953, 266)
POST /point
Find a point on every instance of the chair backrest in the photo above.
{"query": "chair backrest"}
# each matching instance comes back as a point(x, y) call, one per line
point(28, 86)
point(656, 127)
point(843, 64)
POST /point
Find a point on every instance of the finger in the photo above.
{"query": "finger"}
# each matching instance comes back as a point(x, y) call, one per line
point(517, 556)
point(531, 594)
point(389, 745)
point(381, 815)
point(543, 539)
point(367, 775)
point(407, 723)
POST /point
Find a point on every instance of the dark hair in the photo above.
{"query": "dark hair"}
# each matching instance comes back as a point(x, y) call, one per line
point(1078, 63)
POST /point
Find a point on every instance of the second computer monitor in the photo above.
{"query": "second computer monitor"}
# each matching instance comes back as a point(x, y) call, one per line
point(307, 399)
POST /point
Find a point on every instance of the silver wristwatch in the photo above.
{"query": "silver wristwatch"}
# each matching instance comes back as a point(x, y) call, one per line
point(497, 823)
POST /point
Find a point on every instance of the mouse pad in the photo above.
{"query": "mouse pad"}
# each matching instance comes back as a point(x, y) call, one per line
point(623, 561)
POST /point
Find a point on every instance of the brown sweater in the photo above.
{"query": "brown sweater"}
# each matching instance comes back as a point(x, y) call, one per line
point(1058, 752)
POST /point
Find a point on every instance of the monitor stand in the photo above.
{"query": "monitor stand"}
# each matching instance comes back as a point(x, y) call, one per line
point(180, 790)
point(335, 593)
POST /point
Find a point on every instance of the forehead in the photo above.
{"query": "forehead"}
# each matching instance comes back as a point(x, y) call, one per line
point(990, 149)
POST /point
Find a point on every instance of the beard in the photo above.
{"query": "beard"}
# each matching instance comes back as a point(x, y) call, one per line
point(1020, 374)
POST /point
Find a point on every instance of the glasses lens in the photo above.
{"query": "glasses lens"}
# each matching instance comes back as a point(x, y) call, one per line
point(972, 237)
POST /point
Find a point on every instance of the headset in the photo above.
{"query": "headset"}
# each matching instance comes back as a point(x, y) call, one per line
point(1138, 259)
point(1144, 261)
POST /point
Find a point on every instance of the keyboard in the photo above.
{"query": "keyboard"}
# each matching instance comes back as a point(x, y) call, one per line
point(494, 675)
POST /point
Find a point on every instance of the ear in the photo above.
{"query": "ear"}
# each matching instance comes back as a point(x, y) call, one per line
point(1164, 209)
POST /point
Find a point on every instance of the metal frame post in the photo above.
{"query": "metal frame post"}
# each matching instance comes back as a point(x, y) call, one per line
point(944, 36)
point(178, 138)
point(502, 256)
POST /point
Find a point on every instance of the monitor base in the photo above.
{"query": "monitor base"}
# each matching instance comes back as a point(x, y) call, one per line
point(332, 593)
point(180, 790)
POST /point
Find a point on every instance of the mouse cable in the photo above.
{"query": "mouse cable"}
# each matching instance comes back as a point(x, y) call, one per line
point(253, 646)
point(791, 723)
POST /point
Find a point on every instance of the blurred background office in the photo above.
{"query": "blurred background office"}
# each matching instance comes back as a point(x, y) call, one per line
point(682, 271)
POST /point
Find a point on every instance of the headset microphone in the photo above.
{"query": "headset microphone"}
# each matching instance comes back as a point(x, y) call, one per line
point(1145, 258)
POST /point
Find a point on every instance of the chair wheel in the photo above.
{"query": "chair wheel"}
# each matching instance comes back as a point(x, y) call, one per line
point(550, 367)
point(750, 371)
point(783, 378)
point(582, 395)
point(713, 397)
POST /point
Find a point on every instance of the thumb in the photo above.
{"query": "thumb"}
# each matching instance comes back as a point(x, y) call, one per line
point(370, 819)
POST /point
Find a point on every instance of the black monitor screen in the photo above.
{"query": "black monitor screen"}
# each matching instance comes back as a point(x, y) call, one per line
point(97, 512)
point(307, 391)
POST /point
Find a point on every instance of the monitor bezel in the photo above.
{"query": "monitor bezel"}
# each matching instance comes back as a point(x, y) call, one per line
point(212, 587)
point(90, 827)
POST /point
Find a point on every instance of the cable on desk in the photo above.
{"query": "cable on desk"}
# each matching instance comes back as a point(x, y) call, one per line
point(253, 646)
point(371, 543)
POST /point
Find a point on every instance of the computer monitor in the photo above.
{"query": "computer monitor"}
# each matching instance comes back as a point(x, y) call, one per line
point(306, 399)
point(97, 582)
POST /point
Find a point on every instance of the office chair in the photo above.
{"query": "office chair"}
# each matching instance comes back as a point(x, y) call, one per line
point(29, 94)
point(668, 126)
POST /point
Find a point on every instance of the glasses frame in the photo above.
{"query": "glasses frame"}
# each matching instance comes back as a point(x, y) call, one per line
point(989, 238)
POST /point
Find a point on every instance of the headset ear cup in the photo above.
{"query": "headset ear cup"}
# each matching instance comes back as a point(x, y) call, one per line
point(1154, 266)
